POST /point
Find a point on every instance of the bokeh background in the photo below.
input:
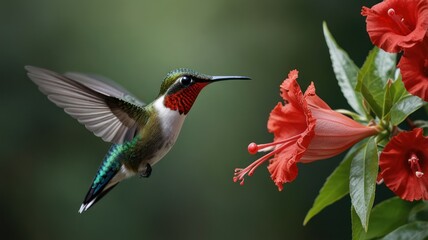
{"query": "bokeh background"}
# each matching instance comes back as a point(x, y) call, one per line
point(47, 159)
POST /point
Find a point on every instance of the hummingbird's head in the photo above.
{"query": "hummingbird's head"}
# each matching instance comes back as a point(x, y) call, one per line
point(181, 87)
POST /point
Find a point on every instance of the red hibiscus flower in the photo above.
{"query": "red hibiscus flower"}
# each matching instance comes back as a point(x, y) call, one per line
point(394, 25)
point(305, 129)
point(403, 163)
point(414, 70)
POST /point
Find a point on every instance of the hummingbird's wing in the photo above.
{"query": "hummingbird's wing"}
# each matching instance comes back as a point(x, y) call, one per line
point(104, 86)
point(105, 108)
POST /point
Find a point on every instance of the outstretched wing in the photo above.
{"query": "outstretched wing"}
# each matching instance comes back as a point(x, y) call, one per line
point(105, 108)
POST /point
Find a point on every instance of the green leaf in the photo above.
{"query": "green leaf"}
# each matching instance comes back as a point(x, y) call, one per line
point(414, 230)
point(397, 89)
point(419, 212)
point(394, 91)
point(387, 216)
point(426, 108)
point(335, 187)
point(387, 101)
point(362, 184)
point(375, 72)
point(404, 107)
point(346, 72)
point(398, 103)
point(385, 64)
point(358, 232)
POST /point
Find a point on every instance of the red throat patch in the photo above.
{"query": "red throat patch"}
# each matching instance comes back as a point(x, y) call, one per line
point(182, 101)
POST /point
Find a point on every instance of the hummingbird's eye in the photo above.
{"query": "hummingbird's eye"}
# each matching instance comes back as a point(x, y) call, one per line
point(186, 81)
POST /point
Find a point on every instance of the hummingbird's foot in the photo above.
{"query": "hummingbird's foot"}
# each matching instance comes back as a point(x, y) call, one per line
point(147, 172)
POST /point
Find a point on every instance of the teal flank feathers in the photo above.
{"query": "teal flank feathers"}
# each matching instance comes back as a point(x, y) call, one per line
point(111, 164)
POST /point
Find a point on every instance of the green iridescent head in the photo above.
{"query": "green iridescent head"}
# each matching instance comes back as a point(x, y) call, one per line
point(179, 75)
point(181, 78)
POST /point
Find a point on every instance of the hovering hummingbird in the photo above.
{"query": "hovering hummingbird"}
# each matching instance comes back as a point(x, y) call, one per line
point(141, 134)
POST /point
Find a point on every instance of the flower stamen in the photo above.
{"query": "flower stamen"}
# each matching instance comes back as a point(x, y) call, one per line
point(254, 148)
point(249, 170)
point(399, 21)
point(414, 165)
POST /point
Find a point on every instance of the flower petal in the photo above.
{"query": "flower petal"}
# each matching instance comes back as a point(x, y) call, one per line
point(313, 100)
point(400, 29)
point(396, 170)
point(414, 70)
point(294, 117)
point(285, 121)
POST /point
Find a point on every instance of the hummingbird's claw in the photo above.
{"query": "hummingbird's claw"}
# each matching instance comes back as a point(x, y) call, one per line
point(147, 172)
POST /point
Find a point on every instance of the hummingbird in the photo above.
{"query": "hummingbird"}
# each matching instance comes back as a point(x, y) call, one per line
point(141, 134)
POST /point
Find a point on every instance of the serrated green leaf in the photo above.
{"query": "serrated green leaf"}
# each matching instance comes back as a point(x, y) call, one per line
point(387, 216)
point(375, 72)
point(346, 72)
point(362, 184)
point(358, 232)
point(335, 187)
point(414, 230)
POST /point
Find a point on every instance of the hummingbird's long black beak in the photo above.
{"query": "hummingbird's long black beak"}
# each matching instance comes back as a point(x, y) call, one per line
point(223, 78)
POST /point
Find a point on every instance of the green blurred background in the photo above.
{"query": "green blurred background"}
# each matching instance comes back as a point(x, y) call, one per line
point(48, 160)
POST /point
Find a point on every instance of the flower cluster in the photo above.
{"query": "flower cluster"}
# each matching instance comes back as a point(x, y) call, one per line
point(401, 26)
point(383, 96)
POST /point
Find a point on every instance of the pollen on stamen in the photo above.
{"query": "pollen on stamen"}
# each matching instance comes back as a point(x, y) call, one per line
point(253, 148)
point(242, 182)
point(419, 174)
point(414, 165)
point(400, 21)
point(239, 177)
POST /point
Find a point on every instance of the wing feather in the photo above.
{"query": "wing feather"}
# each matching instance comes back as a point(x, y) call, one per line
point(95, 102)
point(104, 86)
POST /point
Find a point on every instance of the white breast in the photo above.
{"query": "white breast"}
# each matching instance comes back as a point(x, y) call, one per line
point(171, 122)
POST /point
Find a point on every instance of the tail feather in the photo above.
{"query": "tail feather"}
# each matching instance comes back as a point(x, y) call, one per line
point(91, 198)
point(106, 178)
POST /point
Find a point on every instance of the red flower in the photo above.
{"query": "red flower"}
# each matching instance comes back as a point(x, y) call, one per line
point(403, 163)
point(414, 70)
point(394, 25)
point(305, 129)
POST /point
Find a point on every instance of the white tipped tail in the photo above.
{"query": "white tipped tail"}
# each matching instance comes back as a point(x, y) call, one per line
point(86, 206)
